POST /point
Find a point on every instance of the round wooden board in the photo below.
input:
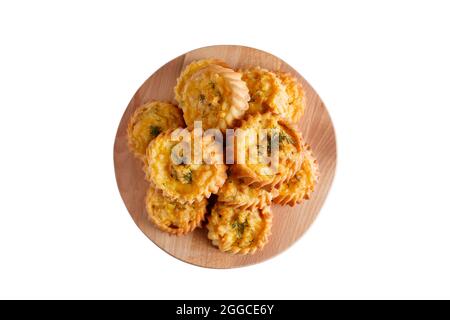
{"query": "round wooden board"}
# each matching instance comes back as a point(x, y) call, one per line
point(289, 223)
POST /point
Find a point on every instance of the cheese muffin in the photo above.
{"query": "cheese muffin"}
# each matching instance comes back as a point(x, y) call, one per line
point(214, 95)
point(235, 193)
point(174, 171)
point(271, 137)
point(267, 92)
point(148, 121)
point(296, 95)
point(190, 69)
point(239, 231)
point(172, 216)
point(301, 185)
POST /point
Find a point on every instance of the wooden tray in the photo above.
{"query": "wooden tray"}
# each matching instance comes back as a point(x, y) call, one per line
point(289, 224)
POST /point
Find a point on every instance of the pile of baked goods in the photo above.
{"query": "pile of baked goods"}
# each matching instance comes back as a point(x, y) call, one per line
point(233, 198)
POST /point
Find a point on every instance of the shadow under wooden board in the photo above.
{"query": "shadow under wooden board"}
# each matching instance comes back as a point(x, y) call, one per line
point(289, 223)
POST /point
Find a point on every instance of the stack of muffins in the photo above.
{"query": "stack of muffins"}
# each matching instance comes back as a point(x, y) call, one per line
point(182, 183)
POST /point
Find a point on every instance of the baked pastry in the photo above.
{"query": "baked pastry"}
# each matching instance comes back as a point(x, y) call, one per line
point(301, 185)
point(172, 216)
point(214, 94)
point(265, 132)
point(239, 231)
point(267, 92)
point(296, 95)
point(175, 171)
point(235, 193)
point(148, 121)
point(272, 164)
point(189, 70)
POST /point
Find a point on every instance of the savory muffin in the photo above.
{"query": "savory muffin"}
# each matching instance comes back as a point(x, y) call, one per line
point(148, 121)
point(296, 97)
point(189, 70)
point(185, 167)
point(174, 166)
point(267, 151)
point(239, 231)
point(267, 92)
point(172, 216)
point(301, 185)
point(235, 193)
point(214, 94)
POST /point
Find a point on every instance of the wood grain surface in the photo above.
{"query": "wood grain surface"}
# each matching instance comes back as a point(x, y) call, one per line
point(289, 223)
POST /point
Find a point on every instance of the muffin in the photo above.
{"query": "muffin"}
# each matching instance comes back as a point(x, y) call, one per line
point(239, 231)
point(296, 97)
point(214, 95)
point(235, 193)
point(267, 151)
point(175, 167)
point(148, 121)
point(267, 92)
point(172, 216)
point(301, 185)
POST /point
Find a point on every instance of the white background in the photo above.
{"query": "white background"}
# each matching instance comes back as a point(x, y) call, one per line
point(69, 69)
